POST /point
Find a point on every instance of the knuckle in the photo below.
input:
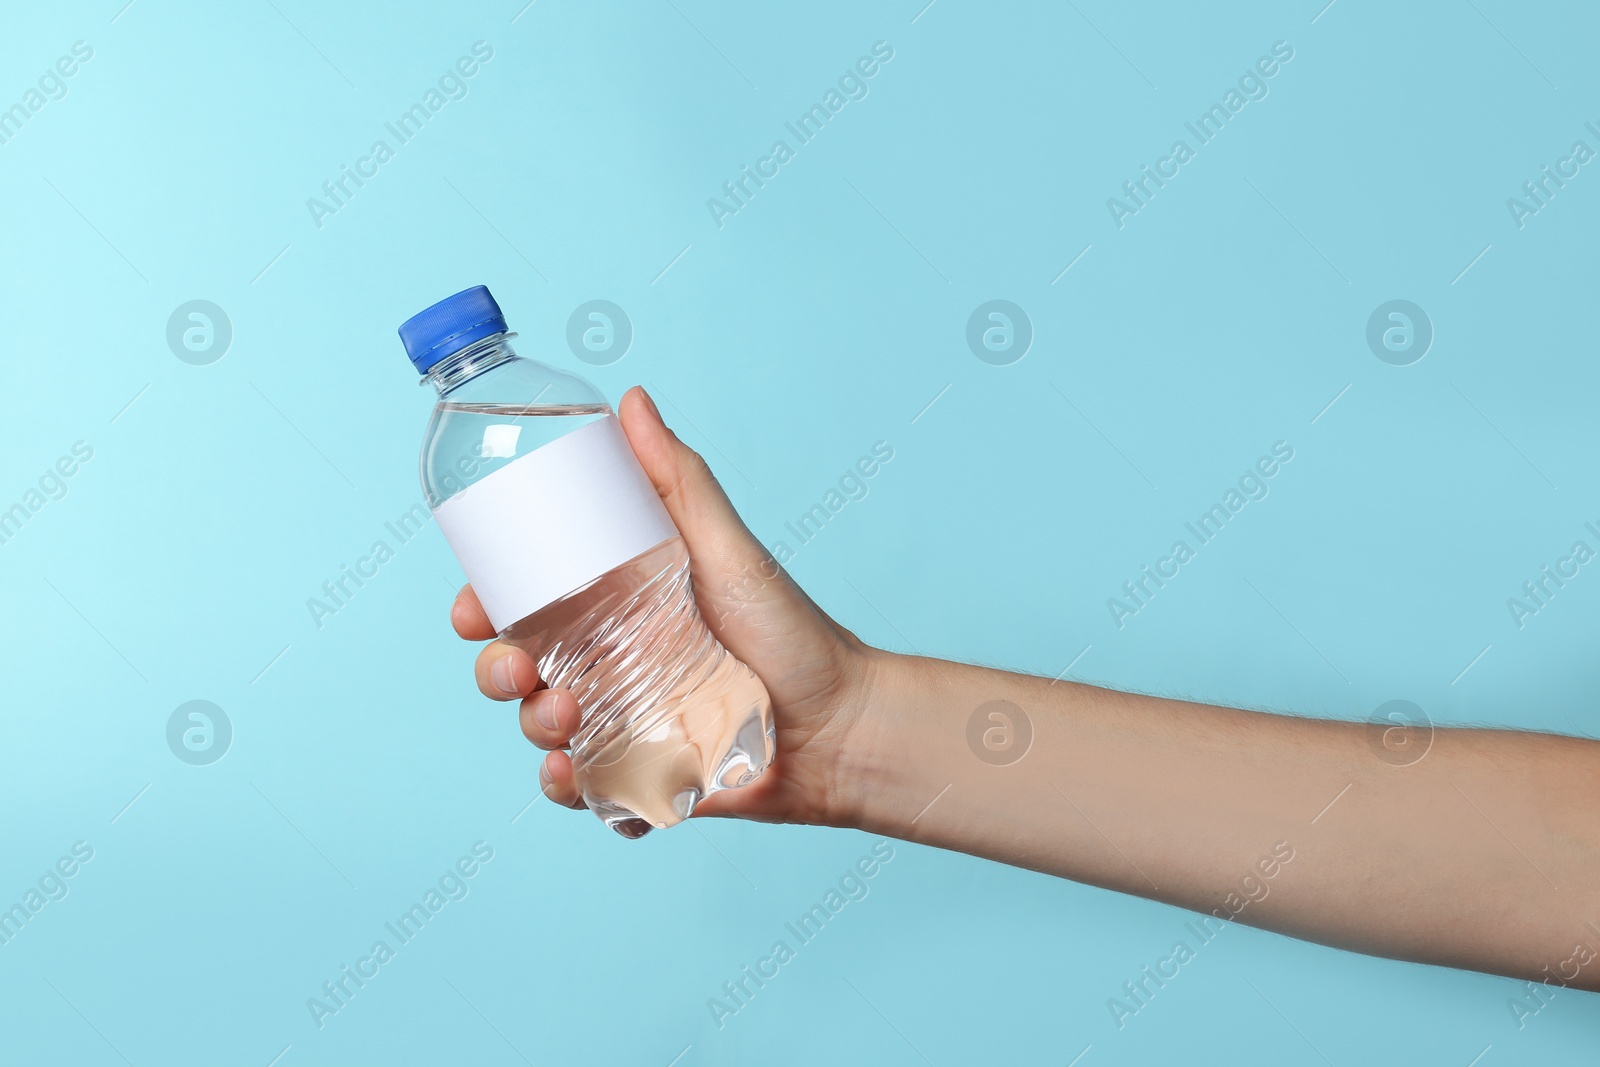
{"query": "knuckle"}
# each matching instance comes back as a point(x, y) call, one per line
point(695, 465)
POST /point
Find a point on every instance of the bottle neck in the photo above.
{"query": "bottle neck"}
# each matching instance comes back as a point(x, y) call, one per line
point(461, 367)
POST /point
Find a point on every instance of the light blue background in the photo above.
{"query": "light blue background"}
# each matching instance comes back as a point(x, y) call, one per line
point(823, 317)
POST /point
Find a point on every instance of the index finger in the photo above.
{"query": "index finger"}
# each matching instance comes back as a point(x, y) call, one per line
point(468, 617)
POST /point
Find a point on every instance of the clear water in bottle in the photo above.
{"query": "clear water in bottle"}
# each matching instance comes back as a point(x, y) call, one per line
point(527, 471)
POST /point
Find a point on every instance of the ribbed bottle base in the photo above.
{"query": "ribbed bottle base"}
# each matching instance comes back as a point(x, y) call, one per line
point(669, 716)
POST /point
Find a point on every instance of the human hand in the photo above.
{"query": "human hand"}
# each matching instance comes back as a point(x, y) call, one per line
point(816, 671)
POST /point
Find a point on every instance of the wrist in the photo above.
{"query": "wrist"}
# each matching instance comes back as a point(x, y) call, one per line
point(927, 755)
point(882, 758)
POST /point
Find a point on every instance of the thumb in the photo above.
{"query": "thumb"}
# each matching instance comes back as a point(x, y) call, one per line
point(720, 545)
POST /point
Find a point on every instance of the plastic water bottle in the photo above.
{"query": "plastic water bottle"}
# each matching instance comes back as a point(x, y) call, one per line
point(576, 561)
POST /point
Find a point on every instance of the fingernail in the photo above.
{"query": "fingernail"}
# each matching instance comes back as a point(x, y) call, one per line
point(650, 402)
point(501, 674)
point(544, 711)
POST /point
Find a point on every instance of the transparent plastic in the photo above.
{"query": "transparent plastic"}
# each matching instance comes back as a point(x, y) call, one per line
point(669, 715)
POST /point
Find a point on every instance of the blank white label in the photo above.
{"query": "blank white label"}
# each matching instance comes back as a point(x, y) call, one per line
point(554, 520)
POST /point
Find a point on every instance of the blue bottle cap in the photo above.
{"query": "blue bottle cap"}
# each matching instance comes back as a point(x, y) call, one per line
point(451, 325)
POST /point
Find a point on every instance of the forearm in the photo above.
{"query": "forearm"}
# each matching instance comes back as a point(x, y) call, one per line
point(1483, 854)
